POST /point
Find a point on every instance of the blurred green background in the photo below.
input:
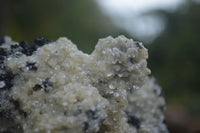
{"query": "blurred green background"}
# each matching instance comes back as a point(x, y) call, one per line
point(174, 54)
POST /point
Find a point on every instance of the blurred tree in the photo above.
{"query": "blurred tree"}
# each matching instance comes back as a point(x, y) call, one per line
point(81, 21)
point(175, 57)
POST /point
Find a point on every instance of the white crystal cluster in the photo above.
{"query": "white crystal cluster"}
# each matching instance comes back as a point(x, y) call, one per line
point(59, 89)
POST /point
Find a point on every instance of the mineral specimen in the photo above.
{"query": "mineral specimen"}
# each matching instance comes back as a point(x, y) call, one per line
point(52, 87)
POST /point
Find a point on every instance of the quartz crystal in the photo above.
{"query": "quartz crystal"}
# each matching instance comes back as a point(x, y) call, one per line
point(52, 87)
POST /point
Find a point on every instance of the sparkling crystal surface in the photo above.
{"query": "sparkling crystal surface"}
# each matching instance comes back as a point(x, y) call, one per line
point(54, 87)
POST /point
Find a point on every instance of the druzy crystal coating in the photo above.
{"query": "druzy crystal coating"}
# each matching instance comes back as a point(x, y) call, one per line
point(53, 87)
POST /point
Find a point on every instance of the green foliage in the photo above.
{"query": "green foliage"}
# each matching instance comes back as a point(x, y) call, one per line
point(79, 20)
point(175, 57)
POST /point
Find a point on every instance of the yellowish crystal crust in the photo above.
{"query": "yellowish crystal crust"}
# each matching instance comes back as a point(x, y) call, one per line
point(60, 89)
